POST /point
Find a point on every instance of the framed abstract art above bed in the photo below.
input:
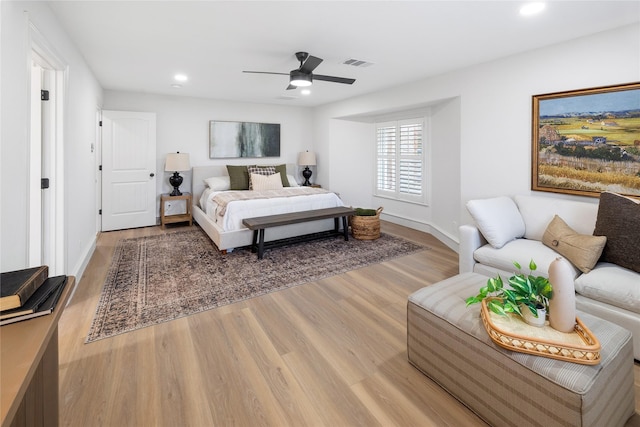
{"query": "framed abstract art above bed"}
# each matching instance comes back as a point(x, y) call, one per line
point(243, 139)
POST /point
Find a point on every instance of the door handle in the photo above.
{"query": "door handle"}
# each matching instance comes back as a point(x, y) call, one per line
point(152, 174)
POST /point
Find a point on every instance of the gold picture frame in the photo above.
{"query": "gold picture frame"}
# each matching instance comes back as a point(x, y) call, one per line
point(587, 141)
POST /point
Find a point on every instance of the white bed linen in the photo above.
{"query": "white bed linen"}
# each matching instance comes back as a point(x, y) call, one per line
point(238, 210)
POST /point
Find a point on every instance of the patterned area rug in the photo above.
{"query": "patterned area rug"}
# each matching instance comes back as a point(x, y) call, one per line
point(160, 278)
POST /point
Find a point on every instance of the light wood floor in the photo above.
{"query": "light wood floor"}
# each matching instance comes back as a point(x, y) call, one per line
point(326, 353)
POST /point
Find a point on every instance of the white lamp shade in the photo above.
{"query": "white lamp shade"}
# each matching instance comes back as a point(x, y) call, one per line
point(177, 162)
point(307, 158)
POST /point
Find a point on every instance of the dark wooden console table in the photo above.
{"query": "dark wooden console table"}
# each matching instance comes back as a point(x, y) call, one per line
point(29, 366)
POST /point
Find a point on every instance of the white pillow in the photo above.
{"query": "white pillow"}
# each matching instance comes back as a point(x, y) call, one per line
point(218, 183)
point(537, 212)
point(498, 219)
point(266, 182)
point(292, 181)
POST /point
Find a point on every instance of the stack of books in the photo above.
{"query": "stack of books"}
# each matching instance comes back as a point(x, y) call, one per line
point(29, 293)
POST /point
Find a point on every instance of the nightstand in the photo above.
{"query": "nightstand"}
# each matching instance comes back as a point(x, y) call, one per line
point(170, 219)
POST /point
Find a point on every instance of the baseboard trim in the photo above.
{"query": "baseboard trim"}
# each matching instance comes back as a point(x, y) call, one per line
point(451, 241)
point(81, 266)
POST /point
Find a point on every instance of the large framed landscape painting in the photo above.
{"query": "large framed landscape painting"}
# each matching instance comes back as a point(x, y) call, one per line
point(243, 139)
point(587, 141)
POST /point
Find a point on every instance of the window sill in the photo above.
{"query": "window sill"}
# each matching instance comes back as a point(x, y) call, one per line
point(412, 202)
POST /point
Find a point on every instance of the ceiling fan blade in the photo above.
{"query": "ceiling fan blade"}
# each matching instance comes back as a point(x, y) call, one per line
point(334, 79)
point(310, 64)
point(265, 72)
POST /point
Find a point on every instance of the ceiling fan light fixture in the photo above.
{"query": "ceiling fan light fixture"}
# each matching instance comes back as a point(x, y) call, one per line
point(300, 79)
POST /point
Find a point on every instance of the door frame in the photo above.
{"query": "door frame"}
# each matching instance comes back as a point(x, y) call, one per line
point(97, 149)
point(54, 252)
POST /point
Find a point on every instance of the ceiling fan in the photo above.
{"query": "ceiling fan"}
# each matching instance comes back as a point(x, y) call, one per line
point(303, 76)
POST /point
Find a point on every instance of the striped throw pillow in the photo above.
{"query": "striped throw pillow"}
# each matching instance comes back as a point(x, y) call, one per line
point(266, 182)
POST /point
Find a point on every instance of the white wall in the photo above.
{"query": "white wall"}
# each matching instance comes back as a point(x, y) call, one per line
point(484, 136)
point(182, 124)
point(346, 162)
point(83, 94)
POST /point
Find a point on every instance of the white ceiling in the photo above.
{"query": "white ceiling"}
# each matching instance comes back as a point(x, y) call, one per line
point(139, 46)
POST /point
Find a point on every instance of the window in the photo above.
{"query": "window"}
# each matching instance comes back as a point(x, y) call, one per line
point(400, 160)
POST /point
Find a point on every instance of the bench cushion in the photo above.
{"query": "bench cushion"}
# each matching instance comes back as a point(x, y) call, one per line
point(447, 341)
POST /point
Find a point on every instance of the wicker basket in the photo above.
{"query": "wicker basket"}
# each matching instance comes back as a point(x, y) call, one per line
point(366, 227)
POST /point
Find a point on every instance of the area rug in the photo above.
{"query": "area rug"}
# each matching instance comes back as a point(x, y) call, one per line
point(159, 278)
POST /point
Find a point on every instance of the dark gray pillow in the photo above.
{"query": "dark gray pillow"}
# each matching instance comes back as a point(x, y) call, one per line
point(619, 220)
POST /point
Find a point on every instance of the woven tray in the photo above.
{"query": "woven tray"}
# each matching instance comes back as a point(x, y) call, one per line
point(512, 333)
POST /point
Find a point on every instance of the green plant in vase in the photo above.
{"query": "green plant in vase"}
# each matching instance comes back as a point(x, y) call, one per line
point(525, 292)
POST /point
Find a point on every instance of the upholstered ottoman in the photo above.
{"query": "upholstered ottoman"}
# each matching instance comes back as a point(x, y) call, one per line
point(447, 342)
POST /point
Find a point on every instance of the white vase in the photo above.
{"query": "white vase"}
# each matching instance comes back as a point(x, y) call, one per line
point(531, 319)
point(562, 305)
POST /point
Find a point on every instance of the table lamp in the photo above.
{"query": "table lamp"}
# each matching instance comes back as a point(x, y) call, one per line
point(306, 159)
point(176, 162)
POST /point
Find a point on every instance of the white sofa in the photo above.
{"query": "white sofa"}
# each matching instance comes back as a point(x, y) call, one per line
point(514, 229)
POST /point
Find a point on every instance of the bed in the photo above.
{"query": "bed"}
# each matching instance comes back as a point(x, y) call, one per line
point(228, 234)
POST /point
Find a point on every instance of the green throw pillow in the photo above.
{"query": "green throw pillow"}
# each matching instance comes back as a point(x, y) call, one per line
point(238, 177)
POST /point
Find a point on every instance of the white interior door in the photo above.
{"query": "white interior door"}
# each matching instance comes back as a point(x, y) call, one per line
point(128, 170)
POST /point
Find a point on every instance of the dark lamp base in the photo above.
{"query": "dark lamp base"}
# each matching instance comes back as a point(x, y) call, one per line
point(306, 173)
point(175, 180)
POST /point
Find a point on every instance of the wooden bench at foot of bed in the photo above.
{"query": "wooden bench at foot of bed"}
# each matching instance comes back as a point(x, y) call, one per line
point(259, 224)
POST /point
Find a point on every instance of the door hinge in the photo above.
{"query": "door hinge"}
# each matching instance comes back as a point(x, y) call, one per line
point(44, 95)
point(100, 167)
point(100, 212)
point(100, 123)
point(44, 183)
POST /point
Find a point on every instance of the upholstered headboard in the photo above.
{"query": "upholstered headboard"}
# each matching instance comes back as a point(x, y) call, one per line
point(200, 173)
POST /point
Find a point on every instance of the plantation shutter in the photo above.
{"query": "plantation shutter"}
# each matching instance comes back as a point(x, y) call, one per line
point(411, 159)
point(400, 160)
point(386, 158)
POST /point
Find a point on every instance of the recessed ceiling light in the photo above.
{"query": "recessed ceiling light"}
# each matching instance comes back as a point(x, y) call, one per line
point(177, 86)
point(305, 92)
point(532, 8)
point(180, 78)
